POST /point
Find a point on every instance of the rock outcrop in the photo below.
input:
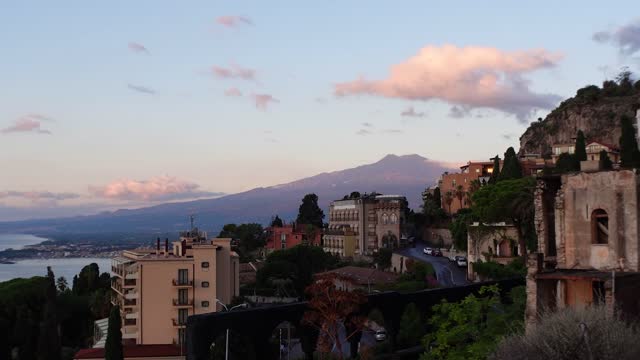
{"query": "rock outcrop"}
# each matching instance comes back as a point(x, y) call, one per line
point(591, 110)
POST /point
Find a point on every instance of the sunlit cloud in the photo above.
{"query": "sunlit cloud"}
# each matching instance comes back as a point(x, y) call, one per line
point(138, 48)
point(410, 112)
point(262, 101)
point(233, 21)
point(30, 123)
point(233, 92)
point(161, 188)
point(626, 37)
point(473, 77)
point(141, 89)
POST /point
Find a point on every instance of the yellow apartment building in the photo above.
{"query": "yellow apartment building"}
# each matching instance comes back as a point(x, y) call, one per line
point(158, 289)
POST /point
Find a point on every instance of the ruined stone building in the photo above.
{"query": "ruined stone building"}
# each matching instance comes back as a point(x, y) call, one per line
point(497, 242)
point(587, 225)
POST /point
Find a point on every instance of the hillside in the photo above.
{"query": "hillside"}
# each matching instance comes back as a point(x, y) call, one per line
point(596, 111)
point(407, 175)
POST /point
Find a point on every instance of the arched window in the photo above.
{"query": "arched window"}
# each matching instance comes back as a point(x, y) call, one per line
point(599, 227)
point(394, 219)
point(385, 219)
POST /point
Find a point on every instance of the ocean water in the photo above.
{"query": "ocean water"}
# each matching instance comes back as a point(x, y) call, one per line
point(67, 267)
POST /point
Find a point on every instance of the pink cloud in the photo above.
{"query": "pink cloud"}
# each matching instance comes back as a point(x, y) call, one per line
point(138, 48)
point(161, 188)
point(233, 21)
point(473, 77)
point(263, 100)
point(29, 123)
point(234, 72)
point(235, 92)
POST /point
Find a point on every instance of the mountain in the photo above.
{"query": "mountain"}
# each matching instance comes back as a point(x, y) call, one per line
point(407, 175)
point(596, 111)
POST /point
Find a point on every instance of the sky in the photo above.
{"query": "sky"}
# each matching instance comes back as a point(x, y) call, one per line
point(130, 103)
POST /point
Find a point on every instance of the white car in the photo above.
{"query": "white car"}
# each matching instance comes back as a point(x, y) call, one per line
point(428, 251)
point(453, 257)
point(461, 261)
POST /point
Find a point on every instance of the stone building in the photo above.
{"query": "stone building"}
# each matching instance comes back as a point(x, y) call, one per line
point(587, 227)
point(374, 220)
point(497, 242)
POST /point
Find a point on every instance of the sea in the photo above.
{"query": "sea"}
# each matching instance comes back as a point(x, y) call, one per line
point(67, 267)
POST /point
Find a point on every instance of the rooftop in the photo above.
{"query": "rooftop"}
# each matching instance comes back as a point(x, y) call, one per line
point(364, 276)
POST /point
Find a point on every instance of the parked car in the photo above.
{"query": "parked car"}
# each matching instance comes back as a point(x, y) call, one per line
point(381, 335)
point(453, 257)
point(428, 251)
point(461, 261)
point(437, 252)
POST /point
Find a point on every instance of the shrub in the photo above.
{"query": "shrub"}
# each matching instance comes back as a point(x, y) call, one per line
point(493, 270)
point(574, 334)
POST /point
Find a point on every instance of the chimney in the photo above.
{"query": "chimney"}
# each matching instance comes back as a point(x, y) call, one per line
point(158, 246)
point(166, 247)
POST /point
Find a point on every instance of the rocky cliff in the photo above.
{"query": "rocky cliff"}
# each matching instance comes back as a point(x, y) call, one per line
point(593, 110)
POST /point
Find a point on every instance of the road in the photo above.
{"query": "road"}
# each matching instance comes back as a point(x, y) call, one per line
point(447, 272)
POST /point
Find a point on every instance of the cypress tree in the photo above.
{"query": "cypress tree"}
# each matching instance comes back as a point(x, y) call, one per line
point(511, 168)
point(629, 153)
point(496, 170)
point(580, 153)
point(113, 345)
point(49, 338)
point(437, 197)
point(605, 162)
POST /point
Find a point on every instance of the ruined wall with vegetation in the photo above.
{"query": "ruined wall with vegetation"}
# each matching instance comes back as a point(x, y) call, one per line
point(594, 110)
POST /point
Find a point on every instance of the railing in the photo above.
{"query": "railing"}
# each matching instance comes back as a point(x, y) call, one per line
point(185, 283)
point(178, 302)
point(178, 323)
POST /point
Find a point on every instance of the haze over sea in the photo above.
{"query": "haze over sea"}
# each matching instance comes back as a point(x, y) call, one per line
point(67, 267)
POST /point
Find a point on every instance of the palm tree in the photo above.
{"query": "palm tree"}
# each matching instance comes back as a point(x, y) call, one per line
point(460, 193)
point(448, 199)
point(473, 187)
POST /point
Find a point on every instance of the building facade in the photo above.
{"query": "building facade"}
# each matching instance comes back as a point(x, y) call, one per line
point(375, 221)
point(473, 170)
point(158, 289)
point(587, 227)
point(592, 148)
point(290, 235)
point(496, 242)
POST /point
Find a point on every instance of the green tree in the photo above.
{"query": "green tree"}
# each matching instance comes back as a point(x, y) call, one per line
point(512, 201)
point(471, 328)
point(276, 222)
point(458, 228)
point(605, 162)
point(113, 345)
point(228, 231)
point(411, 328)
point(629, 153)
point(460, 194)
point(354, 195)
point(49, 339)
point(511, 168)
point(437, 197)
point(580, 153)
point(565, 163)
point(383, 258)
point(62, 284)
point(448, 199)
point(496, 170)
point(309, 211)
point(88, 280)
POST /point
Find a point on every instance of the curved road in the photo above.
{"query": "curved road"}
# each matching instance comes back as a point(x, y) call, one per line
point(447, 272)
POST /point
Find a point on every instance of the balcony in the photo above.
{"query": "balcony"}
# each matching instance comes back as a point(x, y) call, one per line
point(131, 315)
point(129, 302)
point(130, 283)
point(178, 323)
point(131, 295)
point(182, 283)
point(183, 303)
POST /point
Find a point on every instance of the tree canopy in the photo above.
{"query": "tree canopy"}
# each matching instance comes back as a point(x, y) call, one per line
point(496, 170)
point(580, 153)
point(511, 168)
point(276, 222)
point(629, 153)
point(605, 161)
point(113, 345)
point(309, 211)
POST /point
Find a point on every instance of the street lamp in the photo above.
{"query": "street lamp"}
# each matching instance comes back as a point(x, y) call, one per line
point(226, 348)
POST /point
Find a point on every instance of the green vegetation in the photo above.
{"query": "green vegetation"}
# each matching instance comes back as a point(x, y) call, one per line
point(432, 207)
point(458, 228)
point(605, 162)
point(113, 346)
point(574, 333)
point(496, 170)
point(629, 153)
point(511, 167)
point(565, 164)
point(580, 149)
point(493, 270)
point(276, 222)
point(412, 328)
point(419, 276)
point(309, 211)
point(248, 238)
point(288, 272)
point(472, 328)
point(34, 310)
point(383, 258)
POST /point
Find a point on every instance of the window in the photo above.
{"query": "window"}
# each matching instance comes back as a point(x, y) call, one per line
point(385, 219)
point(181, 336)
point(394, 219)
point(183, 276)
point(205, 264)
point(182, 316)
point(205, 284)
point(183, 296)
point(205, 304)
point(599, 227)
